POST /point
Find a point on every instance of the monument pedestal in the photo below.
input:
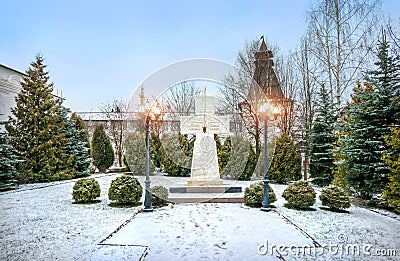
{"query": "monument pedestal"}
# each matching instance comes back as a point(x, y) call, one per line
point(204, 182)
point(206, 194)
point(206, 189)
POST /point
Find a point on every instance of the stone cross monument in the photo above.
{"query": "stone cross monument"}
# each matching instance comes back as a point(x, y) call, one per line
point(204, 124)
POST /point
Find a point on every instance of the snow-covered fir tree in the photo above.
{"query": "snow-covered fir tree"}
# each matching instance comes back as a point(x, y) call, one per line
point(8, 164)
point(36, 130)
point(369, 116)
point(322, 139)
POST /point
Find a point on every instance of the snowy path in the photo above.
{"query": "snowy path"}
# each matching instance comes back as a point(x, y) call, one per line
point(208, 232)
point(42, 224)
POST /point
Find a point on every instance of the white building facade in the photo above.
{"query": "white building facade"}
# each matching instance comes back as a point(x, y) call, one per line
point(10, 85)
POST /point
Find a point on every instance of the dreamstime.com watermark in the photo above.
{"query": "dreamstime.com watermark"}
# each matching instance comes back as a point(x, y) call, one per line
point(340, 248)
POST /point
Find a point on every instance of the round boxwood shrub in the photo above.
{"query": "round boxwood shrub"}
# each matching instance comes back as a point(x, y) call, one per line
point(335, 198)
point(86, 190)
point(253, 196)
point(159, 196)
point(299, 195)
point(125, 190)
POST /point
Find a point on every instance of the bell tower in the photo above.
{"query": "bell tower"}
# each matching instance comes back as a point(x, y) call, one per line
point(264, 73)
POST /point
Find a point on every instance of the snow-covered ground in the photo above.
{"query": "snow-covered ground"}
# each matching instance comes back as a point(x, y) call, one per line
point(39, 222)
point(43, 224)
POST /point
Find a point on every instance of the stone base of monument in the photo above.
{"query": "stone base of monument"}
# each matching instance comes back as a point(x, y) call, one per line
point(206, 198)
point(206, 194)
point(205, 189)
point(204, 182)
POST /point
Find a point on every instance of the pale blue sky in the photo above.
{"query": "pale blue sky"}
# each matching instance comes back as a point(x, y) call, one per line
point(97, 50)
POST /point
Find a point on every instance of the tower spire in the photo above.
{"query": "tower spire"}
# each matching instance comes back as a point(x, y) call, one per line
point(264, 73)
point(263, 46)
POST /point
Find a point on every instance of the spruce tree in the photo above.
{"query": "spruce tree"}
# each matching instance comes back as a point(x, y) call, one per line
point(369, 116)
point(8, 163)
point(37, 131)
point(78, 145)
point(80, 141)
point(80, 125)
point(286, 163)
point(322, 139)
point(102, 150)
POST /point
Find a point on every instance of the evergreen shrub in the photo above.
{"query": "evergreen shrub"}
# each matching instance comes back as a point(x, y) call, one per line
point(299, 195)
point(391, 193)
point(125, 190)
point(238, 157)
point(86, 190)
point(159, 196)
point(253, 195)
point(102, 150)
point(135, 153)
point(335, 198)
point(176, 154)
point(286, 163)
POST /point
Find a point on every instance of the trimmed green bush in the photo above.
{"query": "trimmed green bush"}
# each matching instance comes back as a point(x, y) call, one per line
point(253, 196)
point(86, 190)
point(159, 196)
point(299, 195)
point(335, 198)
point(125, 190)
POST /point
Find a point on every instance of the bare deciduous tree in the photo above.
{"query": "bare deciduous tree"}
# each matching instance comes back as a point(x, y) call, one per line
point(393, 32)
point(288, 75)
point(305, 96)
point(117, 117)
point(343, 35)
point(178, 101)
point(179, 98)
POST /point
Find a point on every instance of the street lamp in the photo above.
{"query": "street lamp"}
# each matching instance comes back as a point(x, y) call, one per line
point(265, 111)
point(153, 115)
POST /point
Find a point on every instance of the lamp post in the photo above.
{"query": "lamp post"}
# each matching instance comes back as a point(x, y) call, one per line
point(266, 111)
point(152, 115)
